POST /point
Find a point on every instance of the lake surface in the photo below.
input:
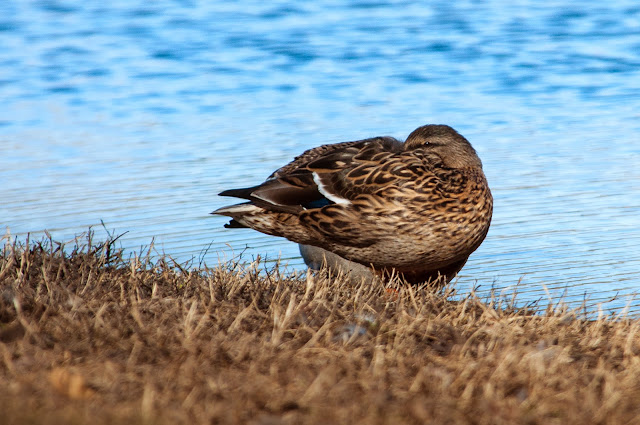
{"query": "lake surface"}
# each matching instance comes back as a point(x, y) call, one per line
point(137, 115)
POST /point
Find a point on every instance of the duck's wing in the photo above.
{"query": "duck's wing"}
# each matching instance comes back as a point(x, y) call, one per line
point(304, 182)
point(344, 149)
point(343, 175)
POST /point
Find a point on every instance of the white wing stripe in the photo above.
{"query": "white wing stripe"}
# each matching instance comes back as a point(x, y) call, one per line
point(329, 196)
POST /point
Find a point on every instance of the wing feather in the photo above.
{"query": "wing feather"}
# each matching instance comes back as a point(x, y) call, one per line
point(320, 176)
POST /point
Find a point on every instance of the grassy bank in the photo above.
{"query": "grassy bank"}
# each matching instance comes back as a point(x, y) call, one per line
point(88, 337)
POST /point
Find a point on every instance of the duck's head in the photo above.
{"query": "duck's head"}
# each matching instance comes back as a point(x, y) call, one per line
point(451, 146)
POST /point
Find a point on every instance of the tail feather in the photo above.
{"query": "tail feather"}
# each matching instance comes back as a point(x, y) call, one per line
point(236, 212)
point(237, 209)
point(234, 224)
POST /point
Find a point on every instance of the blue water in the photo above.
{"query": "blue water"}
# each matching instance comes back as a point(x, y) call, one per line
point(136, 114)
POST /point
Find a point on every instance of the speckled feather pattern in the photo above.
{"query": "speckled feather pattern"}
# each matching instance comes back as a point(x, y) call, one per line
point(419, 208)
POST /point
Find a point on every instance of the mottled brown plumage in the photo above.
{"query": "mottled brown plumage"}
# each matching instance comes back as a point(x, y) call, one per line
point(419, 208)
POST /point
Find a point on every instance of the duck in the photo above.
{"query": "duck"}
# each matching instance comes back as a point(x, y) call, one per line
point(416, 209)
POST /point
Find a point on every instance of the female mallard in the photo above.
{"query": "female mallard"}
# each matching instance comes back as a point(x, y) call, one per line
point(418, 208)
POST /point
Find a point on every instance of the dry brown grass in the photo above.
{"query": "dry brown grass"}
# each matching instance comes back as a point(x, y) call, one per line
point(88, 337)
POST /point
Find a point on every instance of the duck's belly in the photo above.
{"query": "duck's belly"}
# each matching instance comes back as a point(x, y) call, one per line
point(415, 249)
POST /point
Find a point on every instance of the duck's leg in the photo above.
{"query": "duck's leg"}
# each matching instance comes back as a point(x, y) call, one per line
point(316, 258)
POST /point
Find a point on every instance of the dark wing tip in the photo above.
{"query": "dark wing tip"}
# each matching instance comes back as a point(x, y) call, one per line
point(244, 193)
